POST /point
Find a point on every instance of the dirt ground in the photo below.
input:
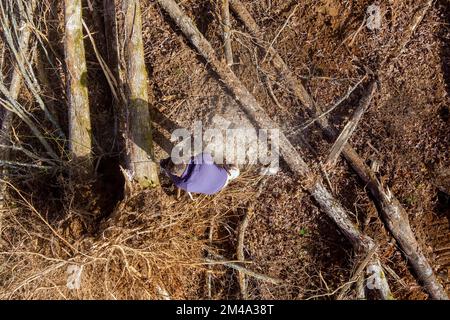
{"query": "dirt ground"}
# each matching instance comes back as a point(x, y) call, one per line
point(406, 131)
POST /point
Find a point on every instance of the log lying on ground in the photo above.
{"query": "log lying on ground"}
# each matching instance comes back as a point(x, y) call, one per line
point(80, 141)
point(360, 242)
point(139, 143)
point(393, 213)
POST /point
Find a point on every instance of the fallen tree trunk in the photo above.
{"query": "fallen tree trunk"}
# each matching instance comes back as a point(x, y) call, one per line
point(393, 213)
point(140, 159)
point(80, 143)
point(360, 242)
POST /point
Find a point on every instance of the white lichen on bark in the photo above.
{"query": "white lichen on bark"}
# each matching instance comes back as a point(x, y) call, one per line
point(79, 115)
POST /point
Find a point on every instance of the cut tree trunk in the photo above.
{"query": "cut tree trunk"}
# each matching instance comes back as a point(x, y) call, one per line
point(389, 205)
point(335, 211)
point(80, 140)
point(140, 160)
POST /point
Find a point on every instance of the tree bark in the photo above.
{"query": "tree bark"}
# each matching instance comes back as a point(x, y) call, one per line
point(226, 26)
point(80, 143)
point(139, 143)
point(361, 243)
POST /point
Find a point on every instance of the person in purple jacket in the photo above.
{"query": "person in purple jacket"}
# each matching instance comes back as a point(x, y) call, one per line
point(200, 175)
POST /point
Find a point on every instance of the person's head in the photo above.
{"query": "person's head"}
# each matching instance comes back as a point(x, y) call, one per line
point(175, 169)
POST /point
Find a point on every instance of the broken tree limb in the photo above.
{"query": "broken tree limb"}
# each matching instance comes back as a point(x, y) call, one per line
point(389, 206)
point(350, 127)
point(209, 272)
point(14, 88)
point(310, 122)
point(238, 267)
point(80, 141)
point(360, 242)
point(226, 25)
point(357, 274)
point(139, 143)
point(397, 222)
point(280, 30)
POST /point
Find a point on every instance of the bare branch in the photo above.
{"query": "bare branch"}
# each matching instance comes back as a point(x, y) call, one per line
point(350, 127)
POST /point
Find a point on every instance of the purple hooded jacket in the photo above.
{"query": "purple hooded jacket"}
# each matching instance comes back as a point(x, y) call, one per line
point(201, 175)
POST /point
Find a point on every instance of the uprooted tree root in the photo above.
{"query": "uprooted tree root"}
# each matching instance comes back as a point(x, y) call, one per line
point(152, 250)
point(152, 246)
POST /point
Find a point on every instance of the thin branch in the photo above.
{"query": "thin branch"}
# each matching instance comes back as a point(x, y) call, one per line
point(350, 127)
point(15, 164)
point(394, 215)
point(358, 272)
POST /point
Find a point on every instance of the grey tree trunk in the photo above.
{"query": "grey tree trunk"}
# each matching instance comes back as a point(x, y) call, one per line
point(139, 143)
point(80, 135)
